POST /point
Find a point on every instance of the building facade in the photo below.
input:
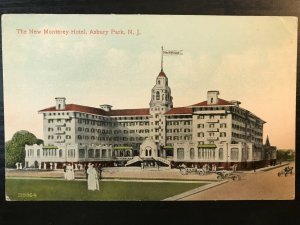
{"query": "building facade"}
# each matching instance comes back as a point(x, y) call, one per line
point(212, 131)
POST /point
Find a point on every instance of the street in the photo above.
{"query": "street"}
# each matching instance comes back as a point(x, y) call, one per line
point(254, 186)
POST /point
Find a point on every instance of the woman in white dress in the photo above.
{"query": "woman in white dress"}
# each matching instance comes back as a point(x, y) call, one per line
point(70, 173)
point(93, 182)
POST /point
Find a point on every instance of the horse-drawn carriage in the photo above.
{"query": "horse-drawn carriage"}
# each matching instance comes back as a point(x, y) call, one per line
point(287, 170)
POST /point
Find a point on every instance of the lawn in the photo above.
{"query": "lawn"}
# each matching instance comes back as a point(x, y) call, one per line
point(39, 190)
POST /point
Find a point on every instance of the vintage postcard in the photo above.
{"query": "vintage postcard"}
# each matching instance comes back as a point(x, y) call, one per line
point(149, 107)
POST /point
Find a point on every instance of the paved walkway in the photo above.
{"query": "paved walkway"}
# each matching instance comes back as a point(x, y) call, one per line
point(120, 173)
point(262, 185)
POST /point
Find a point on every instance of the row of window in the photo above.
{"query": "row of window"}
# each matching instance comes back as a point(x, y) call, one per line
point(92, 130)
point(253, 132)
point(179, 123)
point(212, 125)
point(81, 137)
point(58, 137)
point(59, 121)
point(51, 129)
point(208, 153)
point(45, 153)
point(211, 116)
point(95, 153)
point(84, 115)
point(186, 130)
point(174, 138)
point(211, 134)
point(256, 124)
point(60, 113)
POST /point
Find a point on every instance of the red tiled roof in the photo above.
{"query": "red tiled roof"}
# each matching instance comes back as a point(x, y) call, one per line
point(77, 108)
point(129, 112)
point(162, 74)
point(179, 110)
point(98, 111)
point(220, 102)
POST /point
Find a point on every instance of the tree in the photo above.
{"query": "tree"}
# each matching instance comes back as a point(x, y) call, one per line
point(285, 155)
point(15, 148)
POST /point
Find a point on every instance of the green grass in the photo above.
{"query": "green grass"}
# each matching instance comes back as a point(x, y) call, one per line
point(36, 190)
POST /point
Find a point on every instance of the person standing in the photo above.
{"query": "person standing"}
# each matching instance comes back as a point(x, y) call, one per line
point(70, 172)
point(92, 182)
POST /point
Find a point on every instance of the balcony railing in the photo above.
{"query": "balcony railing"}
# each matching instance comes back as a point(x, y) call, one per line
point(60, 124)
point(212, 121)
point(213, 130)
point(212, 138)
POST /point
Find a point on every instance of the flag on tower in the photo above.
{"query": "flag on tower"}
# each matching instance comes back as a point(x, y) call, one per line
point(169, 52)
point(172, 52)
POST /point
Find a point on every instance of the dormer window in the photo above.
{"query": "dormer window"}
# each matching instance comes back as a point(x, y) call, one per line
point(158, 81)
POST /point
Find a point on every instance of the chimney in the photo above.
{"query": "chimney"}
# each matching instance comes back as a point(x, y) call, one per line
point(212, 97)
point(60, 103)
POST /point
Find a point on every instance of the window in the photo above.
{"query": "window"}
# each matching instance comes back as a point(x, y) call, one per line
point(158, 81)
point(221, 154)
point(201, 134)
point(223, 134)
point(200, 125)
point(91, 153)
point(234, 154)
point(104, 153)
point(60, 153)
point(192, 153)
point(180, 153)
point(81, 153)
point(38, 153)
point(157, 95)
point(223, 125)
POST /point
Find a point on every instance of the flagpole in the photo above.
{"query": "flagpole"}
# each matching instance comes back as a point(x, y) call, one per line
point(162, 55)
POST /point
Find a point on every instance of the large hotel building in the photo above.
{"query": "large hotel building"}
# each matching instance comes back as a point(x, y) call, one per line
point(213, 131)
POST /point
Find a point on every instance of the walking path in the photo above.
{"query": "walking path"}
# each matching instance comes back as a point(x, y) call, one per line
point(194, 191)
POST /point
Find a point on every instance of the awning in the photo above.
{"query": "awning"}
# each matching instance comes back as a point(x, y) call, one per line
point(168, 147)
point(122, 148)
point(207, 146)
point(50, 147)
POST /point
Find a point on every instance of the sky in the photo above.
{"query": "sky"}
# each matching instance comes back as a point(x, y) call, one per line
point(249, 59)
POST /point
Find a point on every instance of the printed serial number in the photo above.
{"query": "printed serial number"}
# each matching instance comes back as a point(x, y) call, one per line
point(27, 195)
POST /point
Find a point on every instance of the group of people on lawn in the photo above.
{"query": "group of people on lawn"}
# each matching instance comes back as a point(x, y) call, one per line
point(93, 174)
